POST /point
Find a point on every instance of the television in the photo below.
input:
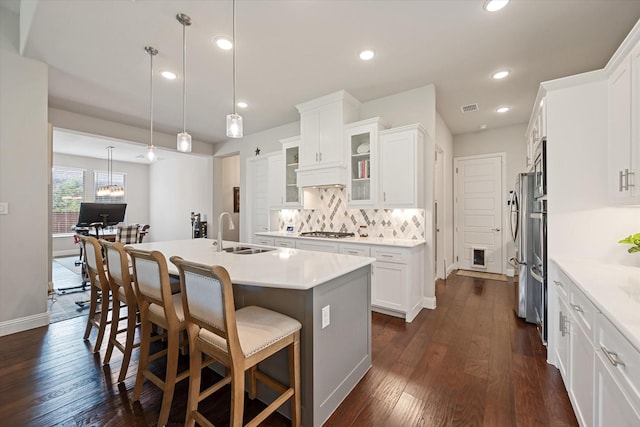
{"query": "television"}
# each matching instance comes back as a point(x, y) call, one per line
point(104, 214)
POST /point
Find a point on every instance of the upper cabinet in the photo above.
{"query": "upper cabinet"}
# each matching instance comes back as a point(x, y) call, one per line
point(401, 171)
point(291, 150)
point(322, 120)
point(537, 129)
point(361, 139)
point(276, 181)
point(624, 130)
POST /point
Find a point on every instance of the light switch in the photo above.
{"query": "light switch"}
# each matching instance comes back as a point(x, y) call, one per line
point(326, 316)
point(4, 208)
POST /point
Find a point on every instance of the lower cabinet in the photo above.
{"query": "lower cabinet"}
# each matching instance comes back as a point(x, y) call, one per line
point(284, 243)
point(262, 240)
point(599, 366)
point(396, 282)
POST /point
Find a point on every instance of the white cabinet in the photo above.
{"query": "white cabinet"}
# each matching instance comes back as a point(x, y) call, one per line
point(292, 193)
point(317, 245)
point(321, 123)
point(258, 190)
point(396, 283)
point(624, 130)
point(537, 129)
point(599, 366)
point(402, 174)
point(284, 243)
point(358, 250)
point(262, 240)
point(361, 139)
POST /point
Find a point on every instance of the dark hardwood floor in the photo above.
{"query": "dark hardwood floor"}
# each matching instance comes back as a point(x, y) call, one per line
point(469, 362)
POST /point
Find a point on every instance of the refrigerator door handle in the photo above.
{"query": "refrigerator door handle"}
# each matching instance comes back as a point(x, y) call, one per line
point(536, 274)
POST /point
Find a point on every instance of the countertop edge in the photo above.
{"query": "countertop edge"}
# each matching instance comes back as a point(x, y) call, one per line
point(379, 241)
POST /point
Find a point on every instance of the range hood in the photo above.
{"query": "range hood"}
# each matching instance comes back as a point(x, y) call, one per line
point(322, 155)
point(329, 177)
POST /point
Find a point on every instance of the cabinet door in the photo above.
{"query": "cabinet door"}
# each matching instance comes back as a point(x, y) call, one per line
point(291, 189)
point(389, 284)
point(310, 131)
point(581, 366)
point(635, 124)
point(398, 152)
point(361, 141)
point(613, 407)
point(562, 342)
point(619, 138)
point(276, 181)
point(330, 141)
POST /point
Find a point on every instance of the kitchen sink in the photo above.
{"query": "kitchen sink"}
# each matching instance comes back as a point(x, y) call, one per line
point(245, 250)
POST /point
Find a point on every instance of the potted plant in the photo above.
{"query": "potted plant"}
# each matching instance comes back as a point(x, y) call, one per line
point(634, 240)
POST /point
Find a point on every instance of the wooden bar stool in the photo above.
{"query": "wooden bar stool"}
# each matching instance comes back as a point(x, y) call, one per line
point(159, 307)
point(238, 339)
point(99, 289)
point(122, 295)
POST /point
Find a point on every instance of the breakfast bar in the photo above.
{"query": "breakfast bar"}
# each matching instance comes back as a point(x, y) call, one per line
point(330, 294)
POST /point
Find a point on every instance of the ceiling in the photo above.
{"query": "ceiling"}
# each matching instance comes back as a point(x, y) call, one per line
point(289, 52)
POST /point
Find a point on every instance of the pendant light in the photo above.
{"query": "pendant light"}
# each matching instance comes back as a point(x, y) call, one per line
point(184, 139)
point(151, 149)
point(234, 120)
point(110, 189)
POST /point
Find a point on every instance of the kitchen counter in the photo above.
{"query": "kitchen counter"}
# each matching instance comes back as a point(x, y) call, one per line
point(330, 294)
point(383, 241)
point(284, 268)
point(613, 289)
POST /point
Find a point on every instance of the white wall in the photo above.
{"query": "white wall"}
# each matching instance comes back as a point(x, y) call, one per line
point(230, 179)
point(580, 222)
point(178, 186)
point(24, 184)
point(509, 140)
point(444, 141)
point(136, 194)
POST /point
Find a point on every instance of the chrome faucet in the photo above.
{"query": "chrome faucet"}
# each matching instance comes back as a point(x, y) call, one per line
point(231, 227)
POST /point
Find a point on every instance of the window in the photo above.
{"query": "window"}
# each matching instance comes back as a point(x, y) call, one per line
point(102, 178)
point(67, 194)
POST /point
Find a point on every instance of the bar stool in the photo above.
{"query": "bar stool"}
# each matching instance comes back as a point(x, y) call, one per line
point(159, 307)
point(238, 339)
point(99, 289)
point(122, 295)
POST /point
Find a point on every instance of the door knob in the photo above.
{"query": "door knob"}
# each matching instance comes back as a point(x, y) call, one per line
point(496, 229)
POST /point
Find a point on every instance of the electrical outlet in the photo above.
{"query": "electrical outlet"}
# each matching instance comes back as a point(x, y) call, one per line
point(4, 208)
point(326, 316)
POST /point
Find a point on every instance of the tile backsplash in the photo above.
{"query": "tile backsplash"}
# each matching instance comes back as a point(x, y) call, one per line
point(333, 215)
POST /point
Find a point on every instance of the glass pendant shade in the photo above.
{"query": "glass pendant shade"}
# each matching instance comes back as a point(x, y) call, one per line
point(234, 125)
point(151, 153)
point(184, 142)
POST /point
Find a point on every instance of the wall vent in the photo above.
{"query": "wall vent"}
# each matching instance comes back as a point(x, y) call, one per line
point(469, 107)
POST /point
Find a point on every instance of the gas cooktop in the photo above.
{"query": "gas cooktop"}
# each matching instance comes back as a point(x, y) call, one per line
point(326, 234)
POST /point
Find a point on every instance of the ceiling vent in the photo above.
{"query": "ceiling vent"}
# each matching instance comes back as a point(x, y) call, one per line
point(469, 107)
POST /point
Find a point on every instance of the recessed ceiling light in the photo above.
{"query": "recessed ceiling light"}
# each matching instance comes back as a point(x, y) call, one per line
point(502, 109)
point(242, 104)
point(223, 42)
point(500, 74)
point(169, 75)
point(366, 55)
point(494, 5)
point(483, 127)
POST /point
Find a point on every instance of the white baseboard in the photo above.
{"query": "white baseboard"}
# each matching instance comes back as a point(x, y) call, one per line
point(429, 302)
point(24, 323)
point(510, 272)
point(68, 252)
point(450, 269)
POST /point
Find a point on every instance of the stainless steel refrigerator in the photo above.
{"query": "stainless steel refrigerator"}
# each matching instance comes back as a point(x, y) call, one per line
point(521, 203)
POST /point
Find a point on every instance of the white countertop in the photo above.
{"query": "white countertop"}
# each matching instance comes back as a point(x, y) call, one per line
point(614, 290)
point(383, 241)
point(280, 268)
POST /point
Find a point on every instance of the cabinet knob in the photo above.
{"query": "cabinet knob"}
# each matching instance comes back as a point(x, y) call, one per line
point(496, 229)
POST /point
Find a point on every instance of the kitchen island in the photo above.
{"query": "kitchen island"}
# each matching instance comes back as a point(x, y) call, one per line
point(330, 294)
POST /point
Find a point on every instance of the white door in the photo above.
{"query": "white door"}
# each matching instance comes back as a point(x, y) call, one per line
point(479, 207)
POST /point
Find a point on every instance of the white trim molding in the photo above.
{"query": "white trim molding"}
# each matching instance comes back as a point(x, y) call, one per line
point(429, 302)
point(24, 323)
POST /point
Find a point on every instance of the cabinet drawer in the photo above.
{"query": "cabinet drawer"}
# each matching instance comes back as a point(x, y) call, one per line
point(583, 311)
point(284, 243)
point(359, 250)
point(267, 241)
point(390, 255)
point(319, 246)
point(623, 360)
point(562, 283)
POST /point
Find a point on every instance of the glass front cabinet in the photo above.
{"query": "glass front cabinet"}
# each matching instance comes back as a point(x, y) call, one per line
point(290, 147)
point(361, 141)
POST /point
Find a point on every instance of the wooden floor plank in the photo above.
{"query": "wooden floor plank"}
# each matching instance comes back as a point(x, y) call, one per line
point(469, 362)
